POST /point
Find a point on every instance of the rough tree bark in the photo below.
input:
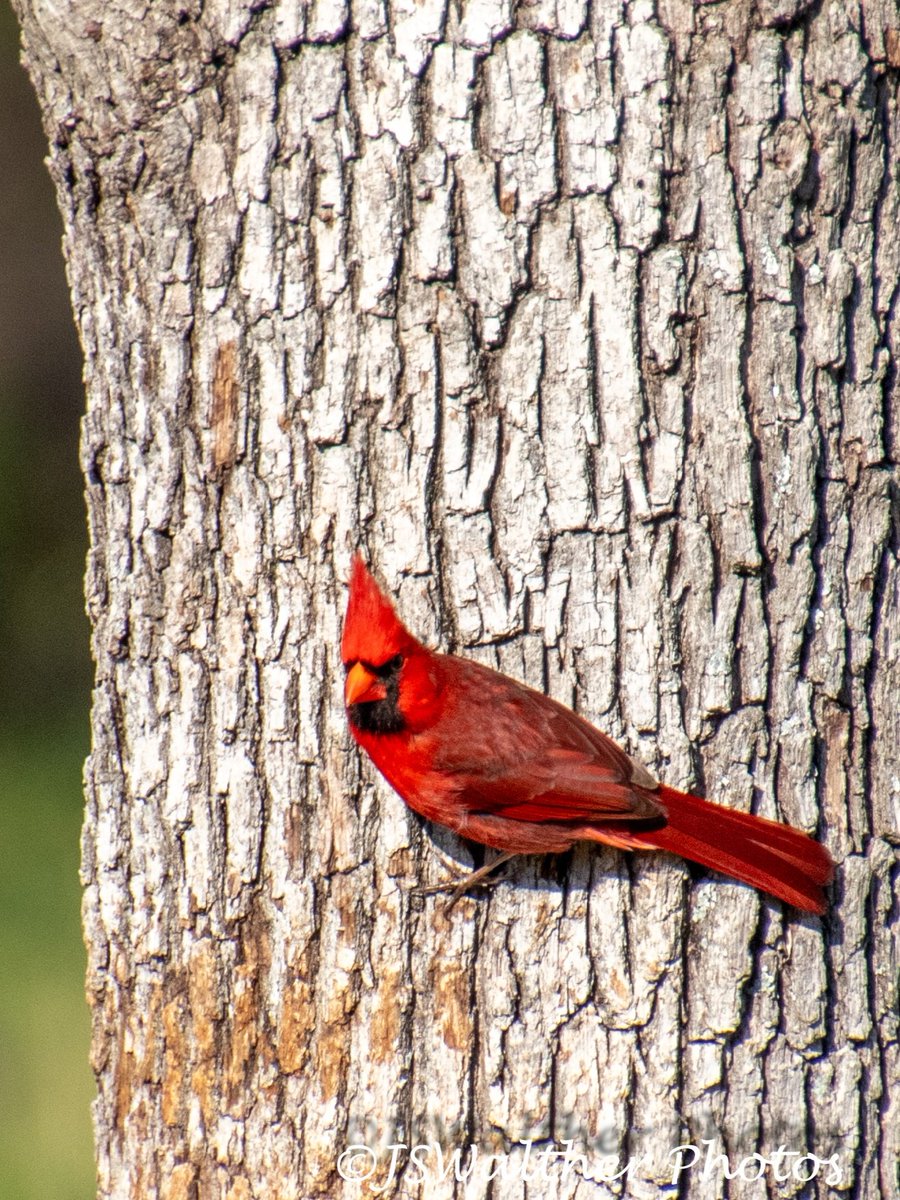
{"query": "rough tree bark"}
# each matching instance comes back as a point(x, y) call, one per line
point(582, 318)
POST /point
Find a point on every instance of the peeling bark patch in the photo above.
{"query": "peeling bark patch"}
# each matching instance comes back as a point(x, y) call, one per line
point(333, 1054)
point(244, 1033)
point(386, 1022)
point(180, 1183)
point(175, 1057)
point(124, 1082)
point(205, 1010)
point(296, 1023)
point(450, 982)
point(138, 1055)
point(836, 746)
point(224, 422)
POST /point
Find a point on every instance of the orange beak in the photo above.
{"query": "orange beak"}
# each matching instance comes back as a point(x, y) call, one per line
point(361, 685)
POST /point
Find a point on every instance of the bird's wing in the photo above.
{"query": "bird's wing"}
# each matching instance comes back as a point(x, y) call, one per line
point(516, 753)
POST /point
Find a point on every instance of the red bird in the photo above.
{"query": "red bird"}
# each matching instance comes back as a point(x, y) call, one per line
point(510, 768)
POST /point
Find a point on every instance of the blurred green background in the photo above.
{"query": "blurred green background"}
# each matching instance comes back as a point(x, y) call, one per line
point(45, 1082)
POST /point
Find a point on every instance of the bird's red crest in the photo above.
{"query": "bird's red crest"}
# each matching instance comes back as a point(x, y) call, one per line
point(373, 633)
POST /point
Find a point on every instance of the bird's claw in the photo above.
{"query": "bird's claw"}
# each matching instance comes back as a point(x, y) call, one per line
point(464, 881)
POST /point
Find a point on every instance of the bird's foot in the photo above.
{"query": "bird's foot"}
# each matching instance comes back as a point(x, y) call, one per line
point(464, 881)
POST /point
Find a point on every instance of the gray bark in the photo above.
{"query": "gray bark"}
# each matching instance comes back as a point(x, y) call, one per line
point(583, 321)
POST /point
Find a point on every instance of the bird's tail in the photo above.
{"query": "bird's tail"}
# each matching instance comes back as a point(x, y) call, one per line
point(773, 857)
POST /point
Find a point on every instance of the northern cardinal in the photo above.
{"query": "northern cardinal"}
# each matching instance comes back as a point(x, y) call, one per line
point(506, 766)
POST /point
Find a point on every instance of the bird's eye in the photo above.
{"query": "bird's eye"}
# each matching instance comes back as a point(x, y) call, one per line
point(389, 667)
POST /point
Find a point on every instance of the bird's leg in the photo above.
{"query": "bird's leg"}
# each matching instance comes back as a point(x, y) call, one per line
point(465, 881)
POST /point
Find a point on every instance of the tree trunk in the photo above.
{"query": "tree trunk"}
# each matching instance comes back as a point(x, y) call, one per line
point(583, 321)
